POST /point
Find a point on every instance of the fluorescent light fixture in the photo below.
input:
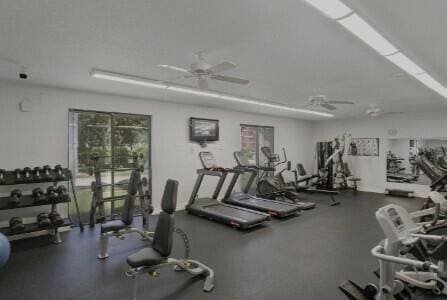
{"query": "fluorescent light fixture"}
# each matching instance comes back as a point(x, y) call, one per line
point(127, 79)
point(357, 26)
point(405, 63)
point(193, 91)
point(334, 9)
point(124, 78)
point(428, 80)
point(441, 90)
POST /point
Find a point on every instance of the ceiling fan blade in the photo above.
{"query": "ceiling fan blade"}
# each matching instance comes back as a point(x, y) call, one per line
point(203, 83)
point(230, 79)
point(328, 106)
point(174, 68)
point(393, 113)
point(225, 66)
point(340, 102)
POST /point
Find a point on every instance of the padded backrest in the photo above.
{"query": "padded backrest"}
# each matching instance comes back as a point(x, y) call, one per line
point(163, 236)
point(169, 200)
point(300, 169)
point(132, 187)
point(128, 209)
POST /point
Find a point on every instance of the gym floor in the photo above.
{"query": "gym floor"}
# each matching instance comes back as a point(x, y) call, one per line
point(305, 257)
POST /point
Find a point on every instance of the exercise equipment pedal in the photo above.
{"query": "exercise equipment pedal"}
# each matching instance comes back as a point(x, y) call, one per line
point(14, 198)
point(16, 225)
point(56, 218)
point(354, 292)
point(43, 221)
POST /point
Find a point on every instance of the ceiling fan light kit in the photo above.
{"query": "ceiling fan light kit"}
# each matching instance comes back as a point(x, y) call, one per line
point(147, 82)
point(355, 24)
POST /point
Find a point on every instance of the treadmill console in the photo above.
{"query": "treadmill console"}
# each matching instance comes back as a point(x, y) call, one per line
point(272, 157)
point(396, 223)
point(207, 160)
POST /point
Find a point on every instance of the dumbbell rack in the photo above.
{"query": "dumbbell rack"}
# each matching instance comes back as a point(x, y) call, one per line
point(97, 210)
point(9, 178)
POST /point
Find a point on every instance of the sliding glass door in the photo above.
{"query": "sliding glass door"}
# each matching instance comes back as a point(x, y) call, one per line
point(115, 136)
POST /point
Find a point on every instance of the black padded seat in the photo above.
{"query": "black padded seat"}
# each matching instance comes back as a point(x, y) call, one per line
point(146, 257)
point(111, 226)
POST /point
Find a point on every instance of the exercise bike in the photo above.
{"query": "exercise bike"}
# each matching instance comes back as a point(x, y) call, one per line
point(273, 186)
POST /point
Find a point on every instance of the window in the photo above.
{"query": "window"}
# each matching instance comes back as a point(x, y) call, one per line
point(106, 134)
point(253, 138)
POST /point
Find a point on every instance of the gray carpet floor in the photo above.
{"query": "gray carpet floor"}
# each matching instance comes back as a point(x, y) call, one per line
point(304, 257)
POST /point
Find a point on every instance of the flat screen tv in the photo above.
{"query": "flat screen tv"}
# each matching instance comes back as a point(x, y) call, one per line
point(203, 130)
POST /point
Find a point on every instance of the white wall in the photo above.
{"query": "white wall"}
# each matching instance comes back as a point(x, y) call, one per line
point(41, 137)
point(372, 170)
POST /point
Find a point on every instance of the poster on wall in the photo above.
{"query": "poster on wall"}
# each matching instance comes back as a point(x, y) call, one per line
point(401, 157)
point(364, 147)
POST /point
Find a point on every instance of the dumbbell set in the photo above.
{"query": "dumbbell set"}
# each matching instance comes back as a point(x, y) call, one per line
point(43, 221)
point(38, 196)
point(37, 174)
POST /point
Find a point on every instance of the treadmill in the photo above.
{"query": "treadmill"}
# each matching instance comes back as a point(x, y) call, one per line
point(213, 209)
point(274, 208)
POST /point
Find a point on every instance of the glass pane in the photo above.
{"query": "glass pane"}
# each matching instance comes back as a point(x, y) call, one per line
point(130, 135)
point(248, 150)
point(89, 132)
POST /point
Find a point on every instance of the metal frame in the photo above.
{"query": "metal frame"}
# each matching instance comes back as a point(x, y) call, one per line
point(179, 265)
point(112, 146)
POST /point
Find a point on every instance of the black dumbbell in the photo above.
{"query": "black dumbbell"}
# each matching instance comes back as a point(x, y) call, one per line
point(43, 221)
point(59, 172)
point(52, 193)
point(14, 198)
point(37, 173)
point(38, 195)
point(63, 193)
point(2, 176)
point(18, 175)
point(16, 225)
point(56, 218)
point(47, 171)
point(27, 174)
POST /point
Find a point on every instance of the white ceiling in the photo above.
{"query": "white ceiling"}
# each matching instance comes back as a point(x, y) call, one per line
point(285, 47)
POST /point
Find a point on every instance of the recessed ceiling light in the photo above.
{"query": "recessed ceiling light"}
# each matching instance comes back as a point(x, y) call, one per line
point(357, 26)
point(333, 9)
point(129, 79)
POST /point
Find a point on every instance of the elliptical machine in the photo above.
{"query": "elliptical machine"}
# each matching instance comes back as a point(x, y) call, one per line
point(273, 186)
point(397, 270)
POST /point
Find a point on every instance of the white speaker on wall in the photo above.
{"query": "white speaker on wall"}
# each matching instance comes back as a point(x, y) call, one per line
point(26, 105)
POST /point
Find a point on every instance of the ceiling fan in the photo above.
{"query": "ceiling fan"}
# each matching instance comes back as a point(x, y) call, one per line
point(203, 71)
point(374, 111)
point(322, 101)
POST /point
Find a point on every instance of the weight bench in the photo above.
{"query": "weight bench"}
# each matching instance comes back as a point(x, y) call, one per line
point(150, 260)
point(118, 228)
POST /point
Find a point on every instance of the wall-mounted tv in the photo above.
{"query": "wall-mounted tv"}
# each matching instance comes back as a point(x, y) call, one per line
point(203, 130)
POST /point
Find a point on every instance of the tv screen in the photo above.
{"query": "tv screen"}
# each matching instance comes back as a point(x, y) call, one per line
point(204, 130)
